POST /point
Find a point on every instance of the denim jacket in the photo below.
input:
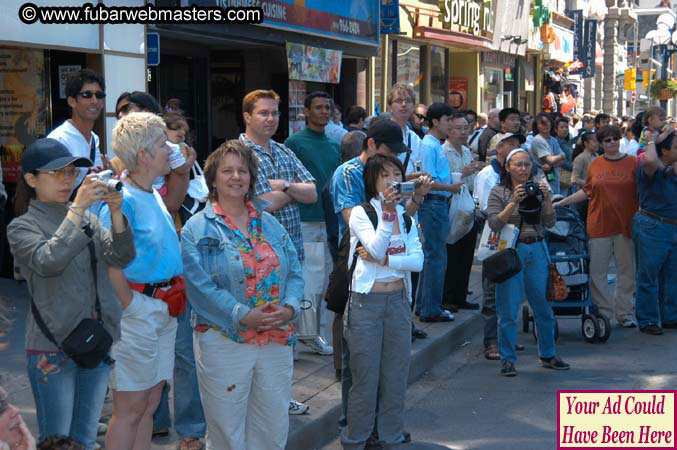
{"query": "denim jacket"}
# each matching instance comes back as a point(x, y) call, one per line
point(215, 279)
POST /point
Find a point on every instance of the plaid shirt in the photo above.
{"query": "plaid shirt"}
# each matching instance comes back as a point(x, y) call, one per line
point(281, 165)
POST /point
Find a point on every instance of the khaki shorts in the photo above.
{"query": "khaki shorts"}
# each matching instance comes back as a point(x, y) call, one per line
point(144, 355)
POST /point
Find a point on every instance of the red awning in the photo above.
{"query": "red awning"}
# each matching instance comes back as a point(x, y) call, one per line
point(454, 38)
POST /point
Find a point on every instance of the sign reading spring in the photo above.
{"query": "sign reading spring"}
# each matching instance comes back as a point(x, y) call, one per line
point(469, 16)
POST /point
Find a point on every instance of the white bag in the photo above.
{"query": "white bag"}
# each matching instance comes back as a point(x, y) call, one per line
point(314, 277)
point(492, 241)
point(461, 215)
point(197, 187)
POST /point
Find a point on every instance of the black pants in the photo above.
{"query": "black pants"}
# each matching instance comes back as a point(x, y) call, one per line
point(459, 263)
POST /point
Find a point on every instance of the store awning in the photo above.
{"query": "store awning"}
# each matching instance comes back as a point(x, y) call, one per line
point(454, 38)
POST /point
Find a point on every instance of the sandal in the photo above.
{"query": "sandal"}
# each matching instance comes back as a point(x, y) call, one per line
point(190, 444)
point(491, 352)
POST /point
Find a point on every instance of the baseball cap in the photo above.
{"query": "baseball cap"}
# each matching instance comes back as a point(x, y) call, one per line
point(502, 136)
point(49, 154)
point(389, 133)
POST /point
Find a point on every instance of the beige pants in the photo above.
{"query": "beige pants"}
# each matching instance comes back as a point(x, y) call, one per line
point(622, 249)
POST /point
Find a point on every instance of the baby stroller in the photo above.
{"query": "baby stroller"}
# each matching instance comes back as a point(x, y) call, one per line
point(567, 244)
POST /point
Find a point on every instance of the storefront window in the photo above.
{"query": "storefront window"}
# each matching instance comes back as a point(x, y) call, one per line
point(438, 78)
point(409, 66)
point(493, 89)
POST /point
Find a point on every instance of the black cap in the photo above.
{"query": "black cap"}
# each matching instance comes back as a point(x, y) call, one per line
point(49, 154)
point(389, 133)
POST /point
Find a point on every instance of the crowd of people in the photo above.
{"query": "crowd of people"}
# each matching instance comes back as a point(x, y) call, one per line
point(196, 274)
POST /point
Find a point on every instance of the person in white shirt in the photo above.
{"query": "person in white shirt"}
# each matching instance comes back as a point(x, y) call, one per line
point(460, 254)
point(400, 100)
point(334, 129)
point(378, 323)
point(629, 144)
point(485, 181)
point(85, 94)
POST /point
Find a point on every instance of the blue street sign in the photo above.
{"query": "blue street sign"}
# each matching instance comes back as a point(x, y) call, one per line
point(153, 49)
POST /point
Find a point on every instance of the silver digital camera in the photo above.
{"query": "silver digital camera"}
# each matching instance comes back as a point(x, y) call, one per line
point(111, 183)
point(404, 187)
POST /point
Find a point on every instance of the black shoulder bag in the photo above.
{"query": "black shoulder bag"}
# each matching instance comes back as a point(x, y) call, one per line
point(504, 264)
point(89, 343)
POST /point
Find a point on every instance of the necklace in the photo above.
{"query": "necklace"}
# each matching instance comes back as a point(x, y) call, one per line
point(150, 191)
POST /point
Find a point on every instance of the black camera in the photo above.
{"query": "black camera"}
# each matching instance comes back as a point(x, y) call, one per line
point(532, 189)
point(530, 207)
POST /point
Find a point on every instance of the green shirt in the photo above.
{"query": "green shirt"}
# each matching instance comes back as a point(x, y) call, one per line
point(320, 155)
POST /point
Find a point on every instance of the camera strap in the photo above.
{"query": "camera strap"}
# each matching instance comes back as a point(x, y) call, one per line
point(97, 306)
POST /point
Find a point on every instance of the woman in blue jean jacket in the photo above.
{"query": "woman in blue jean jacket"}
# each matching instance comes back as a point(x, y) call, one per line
point(654, 232)
point(503, 208)
point(244, 283)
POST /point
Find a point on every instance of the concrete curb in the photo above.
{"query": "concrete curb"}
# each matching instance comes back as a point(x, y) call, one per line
point(318, 428)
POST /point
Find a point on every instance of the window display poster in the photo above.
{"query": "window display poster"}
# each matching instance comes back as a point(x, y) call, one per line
point(22, 105)
point(458, 93)
point(65, 72)
point(313, 63)
point(297, 94)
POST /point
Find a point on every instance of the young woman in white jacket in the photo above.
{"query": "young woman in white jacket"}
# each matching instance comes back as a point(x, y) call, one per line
point(378, 321)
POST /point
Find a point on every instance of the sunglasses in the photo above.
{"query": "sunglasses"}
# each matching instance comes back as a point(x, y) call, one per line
point(420, 116)
point(611, 139)
point(66, 172)
point(89, 94)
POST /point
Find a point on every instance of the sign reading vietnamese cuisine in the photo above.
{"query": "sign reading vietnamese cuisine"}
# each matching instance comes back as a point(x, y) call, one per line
point(309, 63)
point(474, 17)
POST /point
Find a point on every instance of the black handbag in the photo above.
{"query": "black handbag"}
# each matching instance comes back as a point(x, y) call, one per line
point(89, 343)
point(503, 264)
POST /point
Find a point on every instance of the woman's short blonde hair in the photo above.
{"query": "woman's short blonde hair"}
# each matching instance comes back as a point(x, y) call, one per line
point(137, 131)
point(237, 147)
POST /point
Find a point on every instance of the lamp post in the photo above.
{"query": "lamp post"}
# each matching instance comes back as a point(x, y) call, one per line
point(665, 37)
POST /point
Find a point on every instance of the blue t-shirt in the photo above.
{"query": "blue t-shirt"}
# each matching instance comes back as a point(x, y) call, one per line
point(658, 194)
point(347, 188)
point(158, 254)
point(435, 163)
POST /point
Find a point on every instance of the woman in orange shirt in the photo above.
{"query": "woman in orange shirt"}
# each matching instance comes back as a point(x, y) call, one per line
point(611, 186)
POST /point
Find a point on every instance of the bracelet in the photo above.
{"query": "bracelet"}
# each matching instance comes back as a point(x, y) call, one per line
point(72, 209)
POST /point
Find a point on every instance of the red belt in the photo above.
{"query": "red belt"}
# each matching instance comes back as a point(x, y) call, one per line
point(174, 297)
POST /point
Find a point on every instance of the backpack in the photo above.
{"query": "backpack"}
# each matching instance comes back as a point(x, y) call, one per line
point(338, 290)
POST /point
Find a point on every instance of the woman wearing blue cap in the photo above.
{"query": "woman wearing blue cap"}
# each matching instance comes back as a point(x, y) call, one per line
point(53, 242)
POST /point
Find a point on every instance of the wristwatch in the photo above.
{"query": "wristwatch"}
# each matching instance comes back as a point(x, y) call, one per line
point(388, 216)
point(286, 185)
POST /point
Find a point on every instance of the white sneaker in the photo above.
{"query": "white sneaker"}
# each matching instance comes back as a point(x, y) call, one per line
point(318, 345)
point(449, 314)
point(297, 408)
point(101, 429)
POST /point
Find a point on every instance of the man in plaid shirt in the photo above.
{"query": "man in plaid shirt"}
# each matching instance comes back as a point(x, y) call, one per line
point(282, 179)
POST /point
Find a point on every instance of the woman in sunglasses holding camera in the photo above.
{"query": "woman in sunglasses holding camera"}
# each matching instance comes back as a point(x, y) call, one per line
point(505, 206)
point(611, 187)
point(50, 241)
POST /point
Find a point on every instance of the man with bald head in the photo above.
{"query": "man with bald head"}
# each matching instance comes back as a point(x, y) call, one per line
point(493, 128)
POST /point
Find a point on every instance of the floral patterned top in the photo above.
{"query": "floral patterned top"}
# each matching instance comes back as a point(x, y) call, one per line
point(262, 274)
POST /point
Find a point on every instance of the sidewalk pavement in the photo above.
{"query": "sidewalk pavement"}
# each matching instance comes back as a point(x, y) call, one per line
point(313, 383)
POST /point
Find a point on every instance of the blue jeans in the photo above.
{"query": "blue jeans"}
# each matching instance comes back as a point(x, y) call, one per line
point(656, 256)
point(68, 398)
point(189, 419)
point(434, 218)
point(533, 279)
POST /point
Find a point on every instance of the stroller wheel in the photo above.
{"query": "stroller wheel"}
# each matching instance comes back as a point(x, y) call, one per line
point(525, 319)
point(589, 328)
point(603, 327)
